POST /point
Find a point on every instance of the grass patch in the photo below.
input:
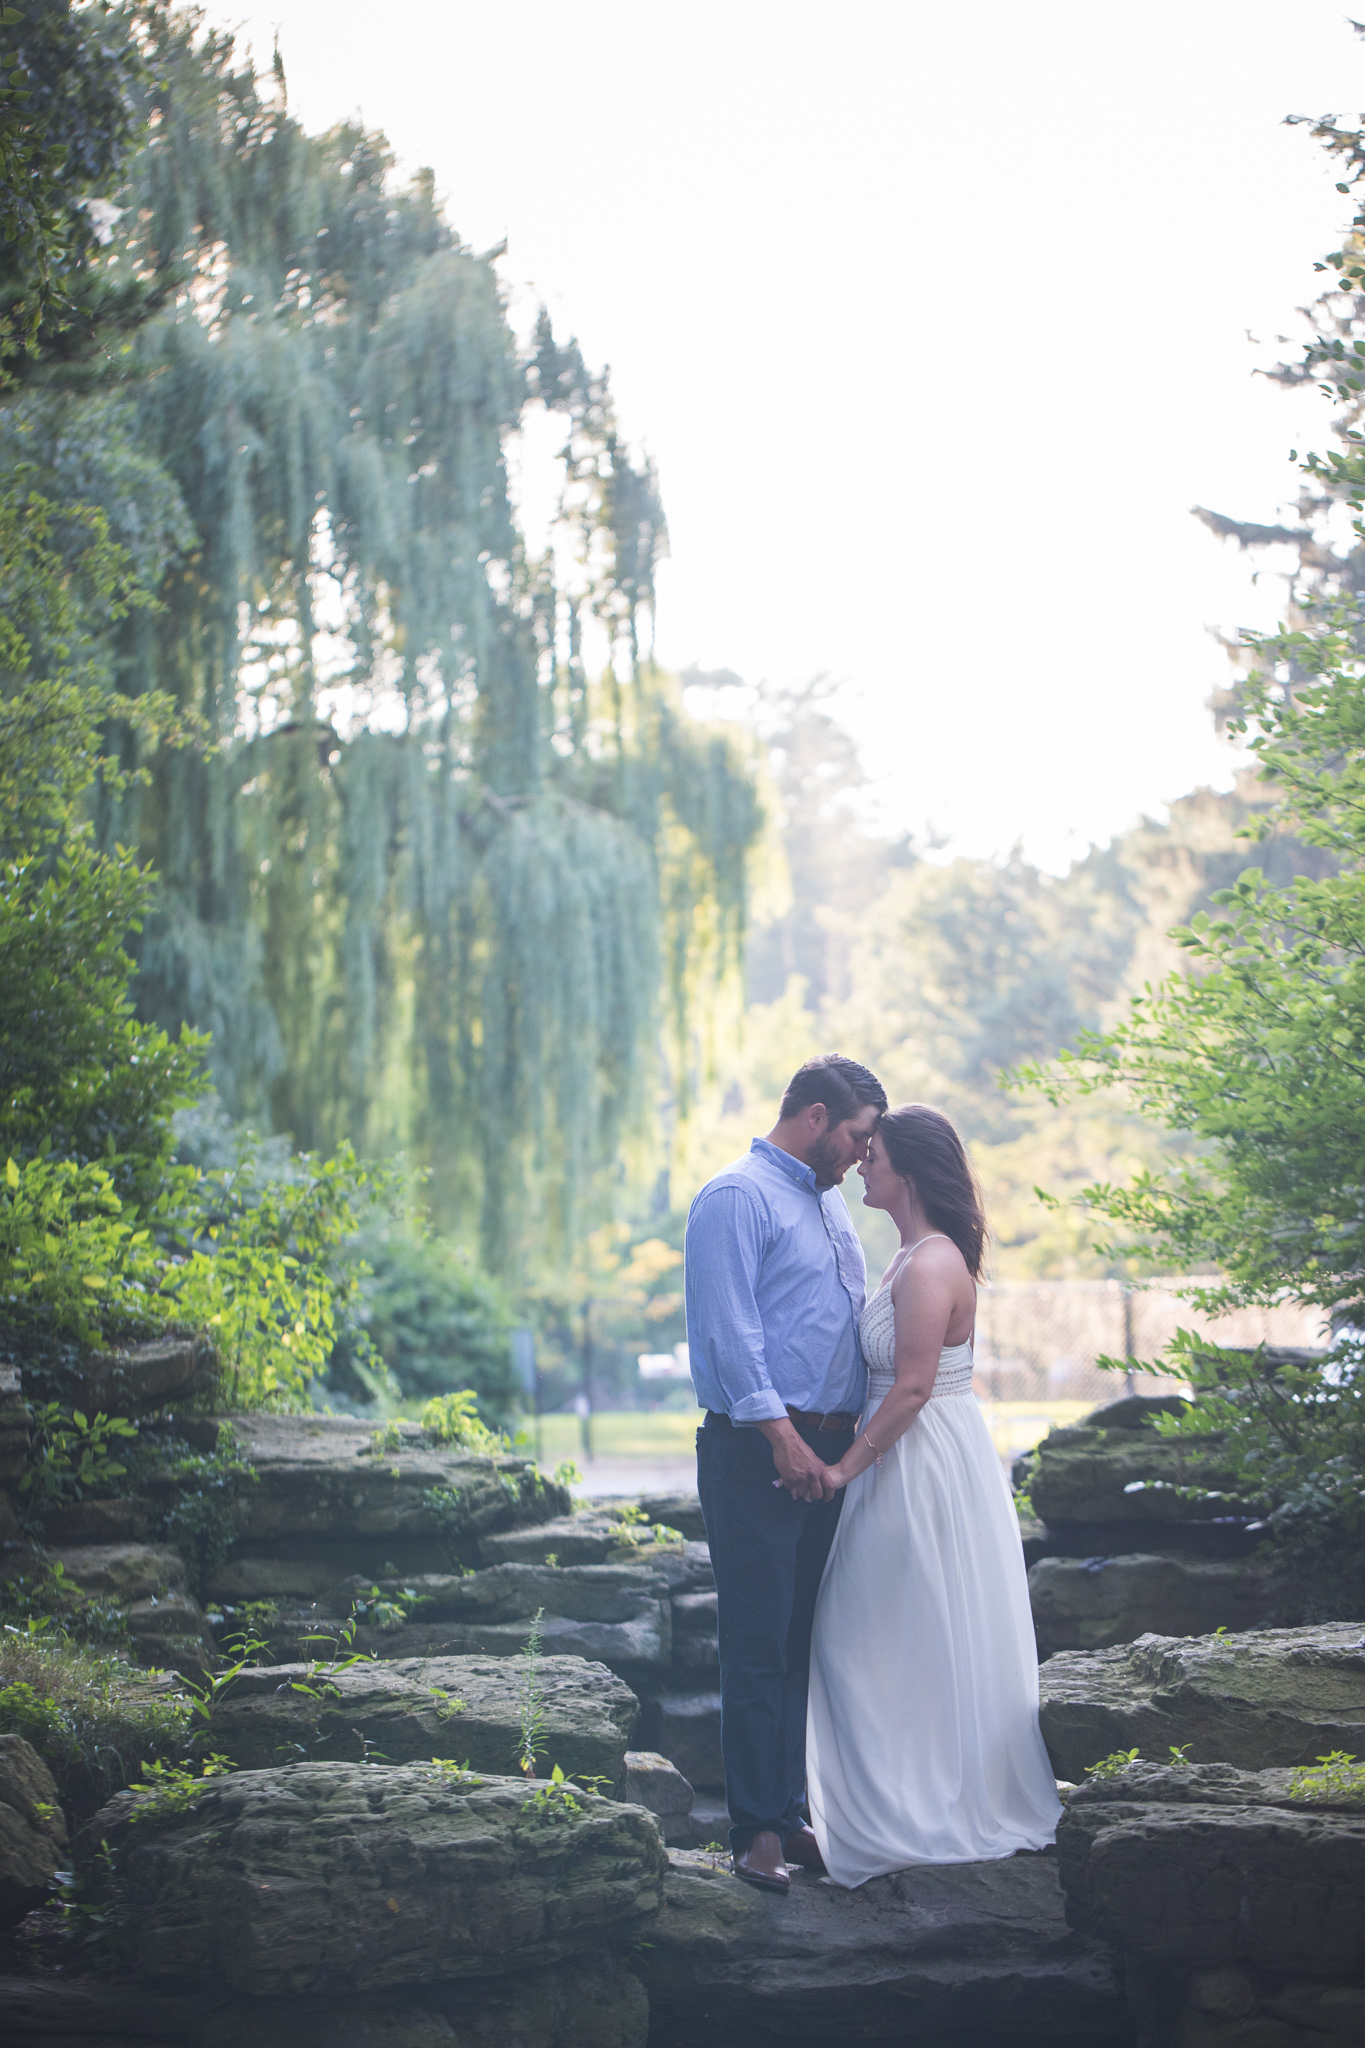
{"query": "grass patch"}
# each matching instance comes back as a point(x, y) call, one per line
point(1015, 1426)
point(93, 1719)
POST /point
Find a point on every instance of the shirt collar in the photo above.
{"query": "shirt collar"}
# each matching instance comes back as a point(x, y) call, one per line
point(795, 1169)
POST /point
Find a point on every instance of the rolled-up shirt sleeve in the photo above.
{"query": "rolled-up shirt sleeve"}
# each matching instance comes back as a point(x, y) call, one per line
point(724, 1248)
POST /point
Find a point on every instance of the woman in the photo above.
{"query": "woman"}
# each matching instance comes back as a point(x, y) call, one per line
point(922, 1731)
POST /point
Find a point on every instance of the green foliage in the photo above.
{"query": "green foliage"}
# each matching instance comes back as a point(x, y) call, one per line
point(277, 1279)
point(434, 1320)
point(1338, 1778)
point(264, 1273)
point(458, 1777)
point(453, 1419)
point(568, 1474)
point(1291, 1434)
point(1113, 1765)
point(631, 1528)
point(554, 1801)
point(46, 1600)
point(199, 1519)
point(1255, 1057)
point(67, 112)
point(91, 1718)
point(416, 788)
point(70, 1258)
point(70, 1455)
point(79, 1075)
point(168, 1788)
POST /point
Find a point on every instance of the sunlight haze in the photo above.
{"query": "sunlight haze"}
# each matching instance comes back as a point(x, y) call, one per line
point(936, 324)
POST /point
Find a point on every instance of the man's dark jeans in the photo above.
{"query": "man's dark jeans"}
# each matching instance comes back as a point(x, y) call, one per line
point(768, 1552)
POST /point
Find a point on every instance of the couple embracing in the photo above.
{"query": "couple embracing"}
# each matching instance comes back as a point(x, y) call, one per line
point(879, 1680)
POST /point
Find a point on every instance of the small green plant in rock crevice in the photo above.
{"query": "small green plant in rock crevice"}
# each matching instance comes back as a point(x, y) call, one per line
point(319, 1678)
point(1337, 1776)
point(555, 1801)
point(631, 1528)
point(455, 1775)
point(532, 1710)
point(1113, 1765)
point(1117, 1762)
point(174, 1788)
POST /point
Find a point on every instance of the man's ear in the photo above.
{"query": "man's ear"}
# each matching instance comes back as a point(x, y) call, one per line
point(817, 1116)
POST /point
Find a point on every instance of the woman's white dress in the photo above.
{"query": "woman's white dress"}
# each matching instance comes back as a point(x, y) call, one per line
point(922, 1740)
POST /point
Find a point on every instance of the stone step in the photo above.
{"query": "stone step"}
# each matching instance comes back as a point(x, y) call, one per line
point(468, 1709)
point(939, 1956)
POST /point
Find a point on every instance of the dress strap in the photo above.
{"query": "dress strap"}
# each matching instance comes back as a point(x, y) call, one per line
point(923, 1240)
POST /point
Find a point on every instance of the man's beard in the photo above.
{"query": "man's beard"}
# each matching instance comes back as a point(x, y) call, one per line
point(823, 1163)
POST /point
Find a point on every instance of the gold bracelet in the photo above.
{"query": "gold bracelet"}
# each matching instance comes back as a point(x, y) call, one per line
point(879, 1455)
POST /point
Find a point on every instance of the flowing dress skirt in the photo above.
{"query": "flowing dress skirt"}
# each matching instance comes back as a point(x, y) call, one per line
point(922, 1733)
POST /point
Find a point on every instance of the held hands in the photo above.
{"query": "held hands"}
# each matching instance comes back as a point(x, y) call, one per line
point(804, 1476)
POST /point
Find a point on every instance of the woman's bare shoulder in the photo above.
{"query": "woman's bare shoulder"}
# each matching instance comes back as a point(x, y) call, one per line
point(938, 1258)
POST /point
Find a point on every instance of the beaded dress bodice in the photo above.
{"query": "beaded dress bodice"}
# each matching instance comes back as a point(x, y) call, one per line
point(877, 1333)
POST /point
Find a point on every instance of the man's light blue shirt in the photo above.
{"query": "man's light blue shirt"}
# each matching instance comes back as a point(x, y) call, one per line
point(776, 1281)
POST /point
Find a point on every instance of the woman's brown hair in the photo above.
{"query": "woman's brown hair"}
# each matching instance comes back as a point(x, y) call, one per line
point(925, 1150)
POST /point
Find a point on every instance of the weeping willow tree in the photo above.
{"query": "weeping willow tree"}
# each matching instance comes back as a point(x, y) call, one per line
point(434, 885)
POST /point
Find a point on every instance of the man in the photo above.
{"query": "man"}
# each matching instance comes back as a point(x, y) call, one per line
point(775, 1283)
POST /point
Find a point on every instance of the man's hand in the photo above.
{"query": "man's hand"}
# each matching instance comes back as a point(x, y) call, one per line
point(805, 1476)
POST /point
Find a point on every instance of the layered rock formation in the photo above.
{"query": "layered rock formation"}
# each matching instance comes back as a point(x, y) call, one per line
point(1118, 1552)
point(352, 1878)
point(471, 1710)
point(1271, 1696)
point(1236, 1900)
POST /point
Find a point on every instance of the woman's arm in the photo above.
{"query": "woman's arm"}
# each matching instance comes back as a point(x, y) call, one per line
point(922, 1297)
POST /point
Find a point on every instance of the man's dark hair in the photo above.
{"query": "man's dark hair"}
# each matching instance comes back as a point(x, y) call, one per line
point(842, 1085)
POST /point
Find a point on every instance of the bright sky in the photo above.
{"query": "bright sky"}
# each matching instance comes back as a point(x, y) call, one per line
point(935, 320)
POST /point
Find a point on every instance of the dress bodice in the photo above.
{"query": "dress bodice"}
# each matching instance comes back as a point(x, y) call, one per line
point(877, 1333)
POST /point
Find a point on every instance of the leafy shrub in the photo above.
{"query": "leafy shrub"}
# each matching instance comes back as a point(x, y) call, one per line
point(101, 1236)
point(71, 1457)
point(435, 1321)
point(1292, 1435)
point(454, 1419)
point(264, 1271)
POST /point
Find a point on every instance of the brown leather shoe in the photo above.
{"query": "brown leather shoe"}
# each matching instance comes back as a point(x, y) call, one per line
point(802, 1847)
point(761, 1863)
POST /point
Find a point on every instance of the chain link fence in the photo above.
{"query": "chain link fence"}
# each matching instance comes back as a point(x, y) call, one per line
point(1037, 1340)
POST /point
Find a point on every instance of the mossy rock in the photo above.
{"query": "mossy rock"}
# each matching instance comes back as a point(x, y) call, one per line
point(350, 1878)
point(1264, 1698)
point(468, 1709)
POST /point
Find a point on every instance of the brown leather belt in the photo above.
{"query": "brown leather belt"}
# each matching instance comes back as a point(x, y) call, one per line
point(822, 1421)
